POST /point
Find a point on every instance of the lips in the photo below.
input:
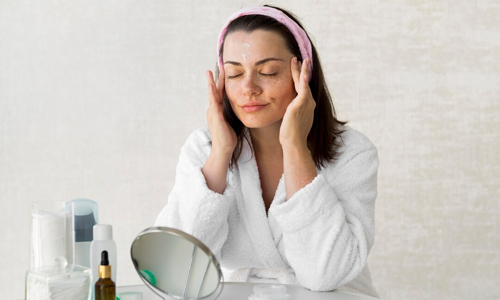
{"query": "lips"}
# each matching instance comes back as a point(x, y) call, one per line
point(253, 106)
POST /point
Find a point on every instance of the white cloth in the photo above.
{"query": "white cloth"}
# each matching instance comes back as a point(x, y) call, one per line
point(320, 238)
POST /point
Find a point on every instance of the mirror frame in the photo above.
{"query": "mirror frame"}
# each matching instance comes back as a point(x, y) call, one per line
point(195, 242)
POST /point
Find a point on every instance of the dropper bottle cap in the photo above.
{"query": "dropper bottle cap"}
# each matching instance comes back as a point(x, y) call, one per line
point(104, 267)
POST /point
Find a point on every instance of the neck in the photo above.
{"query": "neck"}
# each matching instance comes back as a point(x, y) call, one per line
point(266, 140)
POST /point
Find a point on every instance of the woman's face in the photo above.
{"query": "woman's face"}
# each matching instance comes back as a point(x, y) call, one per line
point(258, 79)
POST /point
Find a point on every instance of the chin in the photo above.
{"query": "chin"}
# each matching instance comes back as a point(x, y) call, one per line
point(255, 124)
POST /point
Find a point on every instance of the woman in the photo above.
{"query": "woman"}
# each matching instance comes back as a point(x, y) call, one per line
point(276, 186)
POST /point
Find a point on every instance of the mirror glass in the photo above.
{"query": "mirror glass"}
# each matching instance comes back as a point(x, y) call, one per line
point(174, 263)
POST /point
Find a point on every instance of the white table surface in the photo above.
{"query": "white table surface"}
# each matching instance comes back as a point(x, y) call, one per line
point(241, 291)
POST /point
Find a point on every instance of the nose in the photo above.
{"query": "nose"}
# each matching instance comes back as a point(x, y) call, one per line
point(251, 85)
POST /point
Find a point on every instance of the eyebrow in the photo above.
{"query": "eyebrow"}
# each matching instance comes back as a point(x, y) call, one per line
point(260, 62)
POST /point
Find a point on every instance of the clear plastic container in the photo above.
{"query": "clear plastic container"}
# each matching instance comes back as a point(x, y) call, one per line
point(51, 233)
point(86, 215)
point(61, 281)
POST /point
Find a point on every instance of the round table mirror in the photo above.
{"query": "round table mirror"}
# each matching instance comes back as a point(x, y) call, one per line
point(175, 264)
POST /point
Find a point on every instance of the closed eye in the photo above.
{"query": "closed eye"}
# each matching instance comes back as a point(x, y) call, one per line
point(263, 74)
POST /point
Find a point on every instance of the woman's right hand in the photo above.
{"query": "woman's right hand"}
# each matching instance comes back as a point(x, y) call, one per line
point(222, 134)
point(223, 137)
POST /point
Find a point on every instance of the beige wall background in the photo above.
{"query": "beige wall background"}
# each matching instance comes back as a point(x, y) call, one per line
point(97, 97)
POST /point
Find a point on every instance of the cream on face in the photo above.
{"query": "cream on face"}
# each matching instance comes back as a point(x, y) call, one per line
point(258, 83)
point(245, 51)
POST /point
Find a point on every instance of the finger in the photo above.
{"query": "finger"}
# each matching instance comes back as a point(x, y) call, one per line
point(304, 78)
point(220, 84)
point(294, 66)
point(304, 91)
point(304, 72)
point(211, 86)
point(210, 77)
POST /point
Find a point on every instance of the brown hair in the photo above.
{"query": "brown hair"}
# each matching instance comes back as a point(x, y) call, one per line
point(322, 140)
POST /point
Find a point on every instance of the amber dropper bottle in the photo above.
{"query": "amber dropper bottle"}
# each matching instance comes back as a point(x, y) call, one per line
point(105, 288)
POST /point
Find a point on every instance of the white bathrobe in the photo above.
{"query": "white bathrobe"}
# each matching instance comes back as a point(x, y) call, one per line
point(320, 238)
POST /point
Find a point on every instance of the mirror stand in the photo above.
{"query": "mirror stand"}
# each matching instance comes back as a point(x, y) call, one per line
point(175, 264)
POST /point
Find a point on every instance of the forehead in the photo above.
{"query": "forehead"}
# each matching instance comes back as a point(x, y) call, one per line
point(260, 44)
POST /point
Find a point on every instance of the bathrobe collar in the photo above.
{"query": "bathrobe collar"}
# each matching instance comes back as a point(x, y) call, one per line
point(262, 231)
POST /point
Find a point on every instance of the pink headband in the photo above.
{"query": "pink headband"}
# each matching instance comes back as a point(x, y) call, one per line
point(299, 33)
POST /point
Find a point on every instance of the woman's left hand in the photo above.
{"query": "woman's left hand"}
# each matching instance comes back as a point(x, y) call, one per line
point(299, 115)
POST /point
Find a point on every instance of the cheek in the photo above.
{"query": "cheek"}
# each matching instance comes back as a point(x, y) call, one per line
point(230, 93)
point(282, 85)
point(231, 88)
point(283, 80)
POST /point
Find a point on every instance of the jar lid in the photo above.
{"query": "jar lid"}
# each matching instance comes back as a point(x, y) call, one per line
point(130, 296)
point(269, 292)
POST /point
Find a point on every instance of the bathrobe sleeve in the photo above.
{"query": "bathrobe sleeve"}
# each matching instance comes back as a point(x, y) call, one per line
point(328, 226)
point(192, 207)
